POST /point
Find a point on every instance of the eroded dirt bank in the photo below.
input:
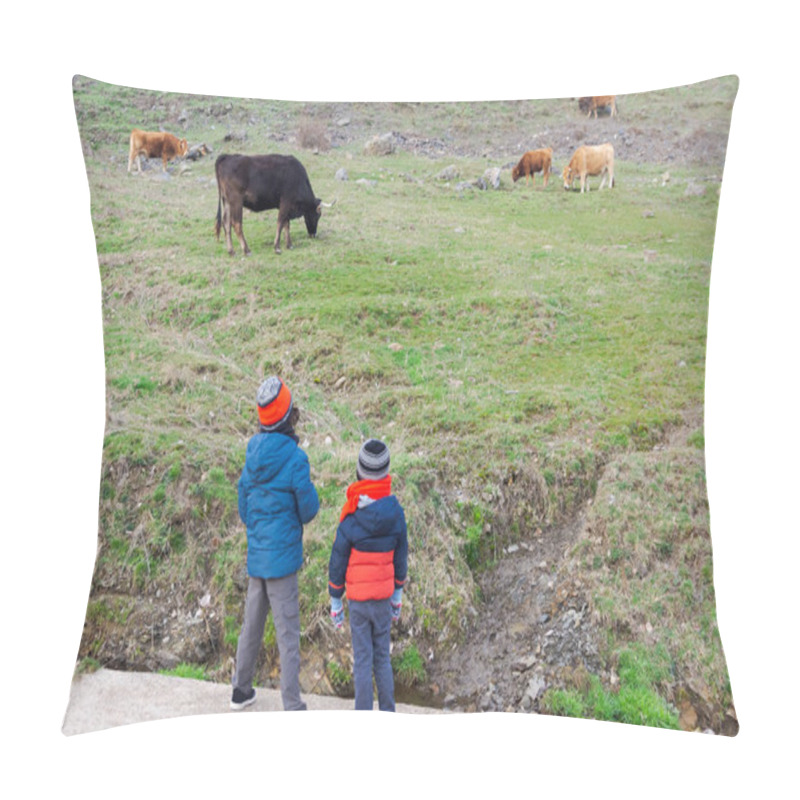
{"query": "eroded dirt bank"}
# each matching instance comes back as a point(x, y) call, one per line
point(532, 631)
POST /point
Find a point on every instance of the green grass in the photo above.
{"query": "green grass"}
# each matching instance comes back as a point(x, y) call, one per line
point(636, 701)
point(194, 671)
point(507, 345)
point(409, 666)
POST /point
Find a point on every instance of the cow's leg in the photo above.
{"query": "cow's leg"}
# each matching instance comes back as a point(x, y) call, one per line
point(283, 222)
point(226, 225)
point(237, 226)
point(234, 217)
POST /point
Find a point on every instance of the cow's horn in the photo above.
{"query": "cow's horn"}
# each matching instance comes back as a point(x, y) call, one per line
point(327, 205)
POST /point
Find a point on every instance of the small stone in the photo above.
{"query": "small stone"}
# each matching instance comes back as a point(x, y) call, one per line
point(492, 175)
point(525, 663)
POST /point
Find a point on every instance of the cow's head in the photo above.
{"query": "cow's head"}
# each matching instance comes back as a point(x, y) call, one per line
point(313, 214)
point(569, 177)
point(515, 173)
point(183, 147)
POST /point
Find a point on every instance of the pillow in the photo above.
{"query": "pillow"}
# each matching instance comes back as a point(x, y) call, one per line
point(512, 295)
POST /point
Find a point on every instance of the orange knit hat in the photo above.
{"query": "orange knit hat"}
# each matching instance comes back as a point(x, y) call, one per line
point(274, 403)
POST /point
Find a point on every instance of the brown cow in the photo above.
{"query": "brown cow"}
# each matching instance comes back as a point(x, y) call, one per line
point(532, 162)
point(155, 145)
point(591, 104)
point(590, 160)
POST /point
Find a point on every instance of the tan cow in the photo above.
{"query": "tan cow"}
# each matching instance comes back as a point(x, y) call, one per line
point(532, 162)
point(591, 104)
point(590, 160)
point(155, 145)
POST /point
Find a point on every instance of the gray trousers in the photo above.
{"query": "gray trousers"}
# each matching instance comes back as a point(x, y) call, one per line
point(370, 628)
point(281, 595)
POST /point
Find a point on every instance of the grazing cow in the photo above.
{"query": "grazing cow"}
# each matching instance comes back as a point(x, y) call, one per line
point(591, 104)
point(155, 145)
point(532, 162)
point(590, 160)
point(260, 183)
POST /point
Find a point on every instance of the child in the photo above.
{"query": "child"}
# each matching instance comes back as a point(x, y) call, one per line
point(276, 498)
point(369, 558)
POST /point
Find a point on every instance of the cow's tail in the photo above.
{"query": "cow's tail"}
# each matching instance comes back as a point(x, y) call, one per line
point(218, 223)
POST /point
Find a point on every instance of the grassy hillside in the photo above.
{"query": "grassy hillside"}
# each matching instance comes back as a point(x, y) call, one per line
point(508, 344)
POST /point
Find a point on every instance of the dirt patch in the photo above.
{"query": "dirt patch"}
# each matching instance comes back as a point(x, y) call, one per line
point(532, 630)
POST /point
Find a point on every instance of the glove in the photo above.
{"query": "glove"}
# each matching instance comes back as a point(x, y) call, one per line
point(337, 612)
point(396, 603)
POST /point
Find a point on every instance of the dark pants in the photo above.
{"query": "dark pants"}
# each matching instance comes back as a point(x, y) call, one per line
point(370, 627)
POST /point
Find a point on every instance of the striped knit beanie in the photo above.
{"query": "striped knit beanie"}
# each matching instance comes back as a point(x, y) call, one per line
point(274, 403)
point(373, 460)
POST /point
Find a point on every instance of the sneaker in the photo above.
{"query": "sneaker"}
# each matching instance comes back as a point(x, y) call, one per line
point(242, 699)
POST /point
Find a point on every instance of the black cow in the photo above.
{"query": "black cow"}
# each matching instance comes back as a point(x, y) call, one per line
point(260, 183)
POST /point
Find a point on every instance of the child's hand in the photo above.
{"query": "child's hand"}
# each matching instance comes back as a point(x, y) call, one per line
point(396, 603)
point(396, 607)
point(337, 613)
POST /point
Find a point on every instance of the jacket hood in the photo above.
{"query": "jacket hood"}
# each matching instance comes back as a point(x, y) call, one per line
point(379, 516)
point(268, 452)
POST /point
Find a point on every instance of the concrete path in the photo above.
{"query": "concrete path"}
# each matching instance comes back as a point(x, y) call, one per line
point(108, 698)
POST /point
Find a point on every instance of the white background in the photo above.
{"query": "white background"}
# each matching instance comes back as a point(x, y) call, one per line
point(53, 384)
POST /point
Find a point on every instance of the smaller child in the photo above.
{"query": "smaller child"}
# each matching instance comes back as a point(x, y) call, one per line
point(369, 560)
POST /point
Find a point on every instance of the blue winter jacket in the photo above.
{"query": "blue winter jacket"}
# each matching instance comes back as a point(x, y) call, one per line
point(276, 498)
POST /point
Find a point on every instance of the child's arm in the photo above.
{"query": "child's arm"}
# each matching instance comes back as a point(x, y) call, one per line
point(243, 487)
point(401, 553)
point(337, 566)
point(305, 492)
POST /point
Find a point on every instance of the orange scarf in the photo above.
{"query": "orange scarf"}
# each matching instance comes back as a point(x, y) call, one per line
point(373, 489)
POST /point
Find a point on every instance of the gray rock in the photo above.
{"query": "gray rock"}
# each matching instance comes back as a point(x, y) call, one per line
point(382, 145)
point(535, 685)
point(341, 174)
point(492, 176)
point(524, 664)
point(449, 173)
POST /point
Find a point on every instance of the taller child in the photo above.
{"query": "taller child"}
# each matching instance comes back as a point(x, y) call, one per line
point(369, 561)
point(276, 498)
